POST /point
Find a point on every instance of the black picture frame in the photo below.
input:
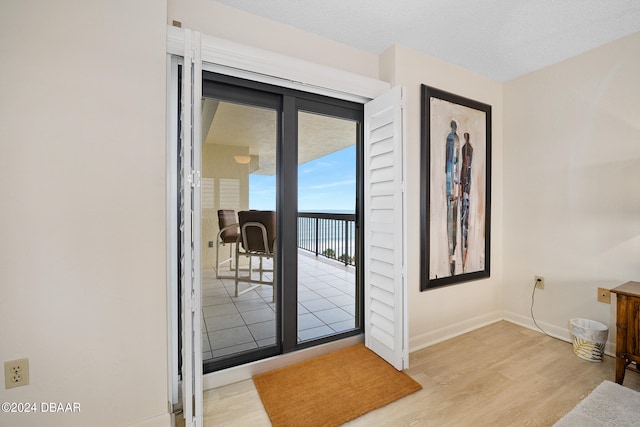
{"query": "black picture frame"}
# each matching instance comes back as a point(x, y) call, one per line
point(455, 193)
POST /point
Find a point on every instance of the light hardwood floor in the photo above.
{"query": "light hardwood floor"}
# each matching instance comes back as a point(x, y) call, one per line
point(499, 375)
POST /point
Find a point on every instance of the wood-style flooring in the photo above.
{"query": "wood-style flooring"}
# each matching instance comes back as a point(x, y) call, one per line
point(499, 375)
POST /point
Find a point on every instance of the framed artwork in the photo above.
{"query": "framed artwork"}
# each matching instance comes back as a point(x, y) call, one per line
point(455, 194)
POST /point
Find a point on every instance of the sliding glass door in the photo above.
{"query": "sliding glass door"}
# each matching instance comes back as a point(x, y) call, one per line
point(284, 167)
point(327, 240)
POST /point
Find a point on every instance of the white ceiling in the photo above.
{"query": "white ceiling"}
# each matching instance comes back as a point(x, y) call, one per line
point(501, 39)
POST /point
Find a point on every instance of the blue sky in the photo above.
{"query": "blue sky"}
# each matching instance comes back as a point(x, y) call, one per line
point(327, 184)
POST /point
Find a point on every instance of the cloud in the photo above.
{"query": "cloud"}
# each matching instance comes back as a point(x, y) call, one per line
point(333, 184)
point(318, 165)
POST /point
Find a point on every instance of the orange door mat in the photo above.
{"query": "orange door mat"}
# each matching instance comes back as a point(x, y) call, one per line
point(331, 389)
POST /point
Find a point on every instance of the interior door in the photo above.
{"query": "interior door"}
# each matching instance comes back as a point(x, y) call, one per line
point(384, 229)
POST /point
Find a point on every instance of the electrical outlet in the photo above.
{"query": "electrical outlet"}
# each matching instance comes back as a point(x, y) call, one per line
point(16, 373)
point(604, 295)
point(539, 282)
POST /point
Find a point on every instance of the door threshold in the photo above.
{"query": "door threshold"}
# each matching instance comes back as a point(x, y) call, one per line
point(246, 371)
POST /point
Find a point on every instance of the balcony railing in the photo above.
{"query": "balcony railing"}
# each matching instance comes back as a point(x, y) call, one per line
point(328, 234)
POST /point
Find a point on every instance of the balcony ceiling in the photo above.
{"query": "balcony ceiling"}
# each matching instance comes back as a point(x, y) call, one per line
point(500, 39)
point(253, 131)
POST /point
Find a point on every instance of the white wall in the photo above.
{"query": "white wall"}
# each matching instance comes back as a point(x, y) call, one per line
point(82, 179)
point(217, 20)
point(572, 185)
point(82, 174)
point(438, 314)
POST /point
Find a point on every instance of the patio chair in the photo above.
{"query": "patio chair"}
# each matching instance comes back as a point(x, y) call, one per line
point(228, 234)
point(257, 240)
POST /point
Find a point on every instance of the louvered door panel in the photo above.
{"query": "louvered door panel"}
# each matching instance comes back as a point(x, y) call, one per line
point(385, 297)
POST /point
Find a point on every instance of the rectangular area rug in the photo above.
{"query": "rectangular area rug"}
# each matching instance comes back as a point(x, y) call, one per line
point(331, 389)
point(609, 404)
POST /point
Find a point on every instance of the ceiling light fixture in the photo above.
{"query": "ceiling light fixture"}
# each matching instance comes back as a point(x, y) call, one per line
point(243, 160)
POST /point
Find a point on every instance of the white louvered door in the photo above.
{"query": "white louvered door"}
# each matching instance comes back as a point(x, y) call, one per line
point(384, 229)
point(190, 197)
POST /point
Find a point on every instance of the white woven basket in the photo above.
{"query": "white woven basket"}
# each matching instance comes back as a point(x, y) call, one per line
point(589, 339)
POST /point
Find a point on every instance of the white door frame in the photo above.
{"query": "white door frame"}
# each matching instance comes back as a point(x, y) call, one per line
point(238, 60)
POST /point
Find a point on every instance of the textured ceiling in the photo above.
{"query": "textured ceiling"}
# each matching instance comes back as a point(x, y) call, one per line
point(501, 39)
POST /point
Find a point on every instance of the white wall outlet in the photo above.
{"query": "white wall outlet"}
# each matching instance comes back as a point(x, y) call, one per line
point(539, 282)
point(16, 373)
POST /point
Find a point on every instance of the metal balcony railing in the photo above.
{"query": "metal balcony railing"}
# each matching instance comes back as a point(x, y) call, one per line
point(328, 234)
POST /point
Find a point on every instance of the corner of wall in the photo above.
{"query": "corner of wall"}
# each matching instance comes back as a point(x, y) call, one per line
point(387, 65)
point(571, 130)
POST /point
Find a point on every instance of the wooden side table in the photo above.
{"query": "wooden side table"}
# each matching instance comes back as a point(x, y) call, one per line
point(627, 325)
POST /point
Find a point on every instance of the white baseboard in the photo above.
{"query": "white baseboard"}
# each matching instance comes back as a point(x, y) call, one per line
point(561, 333)
point(450, 331)
point(164, 420)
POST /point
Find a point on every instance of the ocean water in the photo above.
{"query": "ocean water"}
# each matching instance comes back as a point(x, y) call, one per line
point(335, 238)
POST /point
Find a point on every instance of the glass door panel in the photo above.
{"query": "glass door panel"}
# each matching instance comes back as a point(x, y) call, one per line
point(238, 175)
point(268, 151)
point(327, 182)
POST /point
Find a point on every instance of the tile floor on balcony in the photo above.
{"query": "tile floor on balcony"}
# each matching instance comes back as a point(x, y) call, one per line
point(326, 305)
